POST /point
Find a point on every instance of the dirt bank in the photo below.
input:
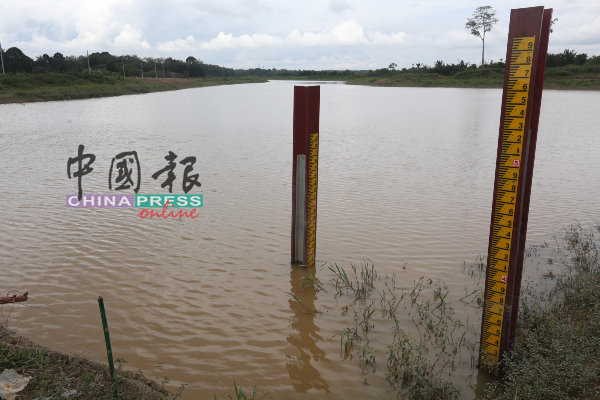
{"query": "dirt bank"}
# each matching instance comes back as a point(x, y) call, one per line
point(54, 373)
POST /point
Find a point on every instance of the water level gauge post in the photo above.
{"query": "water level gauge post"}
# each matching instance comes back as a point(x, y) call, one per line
point(521, 101)
point(305, 174)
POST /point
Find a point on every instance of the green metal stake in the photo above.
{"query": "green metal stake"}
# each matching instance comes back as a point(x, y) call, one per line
point(111, 365)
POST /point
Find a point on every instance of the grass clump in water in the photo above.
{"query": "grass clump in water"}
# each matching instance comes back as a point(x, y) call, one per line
point(359, 284)
point(239, 394)
point(418, 366)
point(557, 348)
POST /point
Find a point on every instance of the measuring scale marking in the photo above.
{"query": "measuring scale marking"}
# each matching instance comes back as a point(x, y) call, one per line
point(507, 192)
point(312, 199)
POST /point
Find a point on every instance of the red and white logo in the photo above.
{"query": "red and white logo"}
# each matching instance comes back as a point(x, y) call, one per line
point(516, 163)
point(503, 279)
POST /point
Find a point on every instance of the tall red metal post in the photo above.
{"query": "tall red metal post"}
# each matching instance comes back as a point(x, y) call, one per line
point(305, 173)
point(528, 36)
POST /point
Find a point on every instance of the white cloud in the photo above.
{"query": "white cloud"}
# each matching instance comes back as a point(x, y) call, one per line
point(341, 62)
point(348, 33)
point(130, 38)
point(291, 34)
point(339, 6)
point(585, 31)
point(223, 41)
point(177, 45)
point(459, 39)
point(378, 38)
point(227, 8)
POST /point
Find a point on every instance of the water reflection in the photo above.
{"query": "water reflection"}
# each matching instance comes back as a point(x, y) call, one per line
point(483, 378)
point(304, 376)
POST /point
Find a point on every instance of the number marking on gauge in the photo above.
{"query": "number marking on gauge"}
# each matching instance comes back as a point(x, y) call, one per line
point(311, 234)
point(507, 192)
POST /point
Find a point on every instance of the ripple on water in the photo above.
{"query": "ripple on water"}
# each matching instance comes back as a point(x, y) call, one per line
point(405, 176)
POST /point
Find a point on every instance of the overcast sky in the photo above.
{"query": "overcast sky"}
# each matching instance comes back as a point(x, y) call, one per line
point(309, 34)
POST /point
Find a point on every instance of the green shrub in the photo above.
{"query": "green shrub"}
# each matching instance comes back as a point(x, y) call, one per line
point(557, 346)
point(558, 72)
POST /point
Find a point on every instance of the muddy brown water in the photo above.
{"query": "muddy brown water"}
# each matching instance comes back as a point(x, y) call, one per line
point(405, 179)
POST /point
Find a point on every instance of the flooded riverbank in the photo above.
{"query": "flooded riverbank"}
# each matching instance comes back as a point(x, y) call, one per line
point(405, 179)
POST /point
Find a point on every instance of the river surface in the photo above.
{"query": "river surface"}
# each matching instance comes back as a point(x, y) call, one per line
point(405, 180)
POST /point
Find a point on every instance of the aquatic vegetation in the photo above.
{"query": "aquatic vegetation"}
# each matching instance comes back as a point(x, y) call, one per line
point(360, 286)
point(240, 395)
point(557, 346)
point(418, 366)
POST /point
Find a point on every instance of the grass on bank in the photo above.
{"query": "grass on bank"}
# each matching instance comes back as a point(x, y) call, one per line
point(583, 82)
point(557, 349)
point(20, 88)
point(570, 77)
point(55, 375)
point(475, 80)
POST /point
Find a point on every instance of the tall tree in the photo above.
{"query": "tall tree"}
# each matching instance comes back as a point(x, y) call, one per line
point(552, 24)
point(15, 61)
point(481, 22)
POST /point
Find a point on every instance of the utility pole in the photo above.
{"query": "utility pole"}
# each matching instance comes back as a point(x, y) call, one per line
point(142, 67)
point(155, 74)
point(163, 70)
point(2, 57)
point(88, 57)
point(123, 60)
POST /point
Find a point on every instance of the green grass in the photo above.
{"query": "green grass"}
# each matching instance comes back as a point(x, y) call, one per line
point(568, 78)
point(239, 394)
point(418, 365)
point(581, 82)
point(77, 92)
point(21, 88)
point(53, 374)
point(37, 81)
point(476, 78)
point(557, 349)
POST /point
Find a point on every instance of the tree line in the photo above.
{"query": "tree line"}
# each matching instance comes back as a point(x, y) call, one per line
point(15, 61)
